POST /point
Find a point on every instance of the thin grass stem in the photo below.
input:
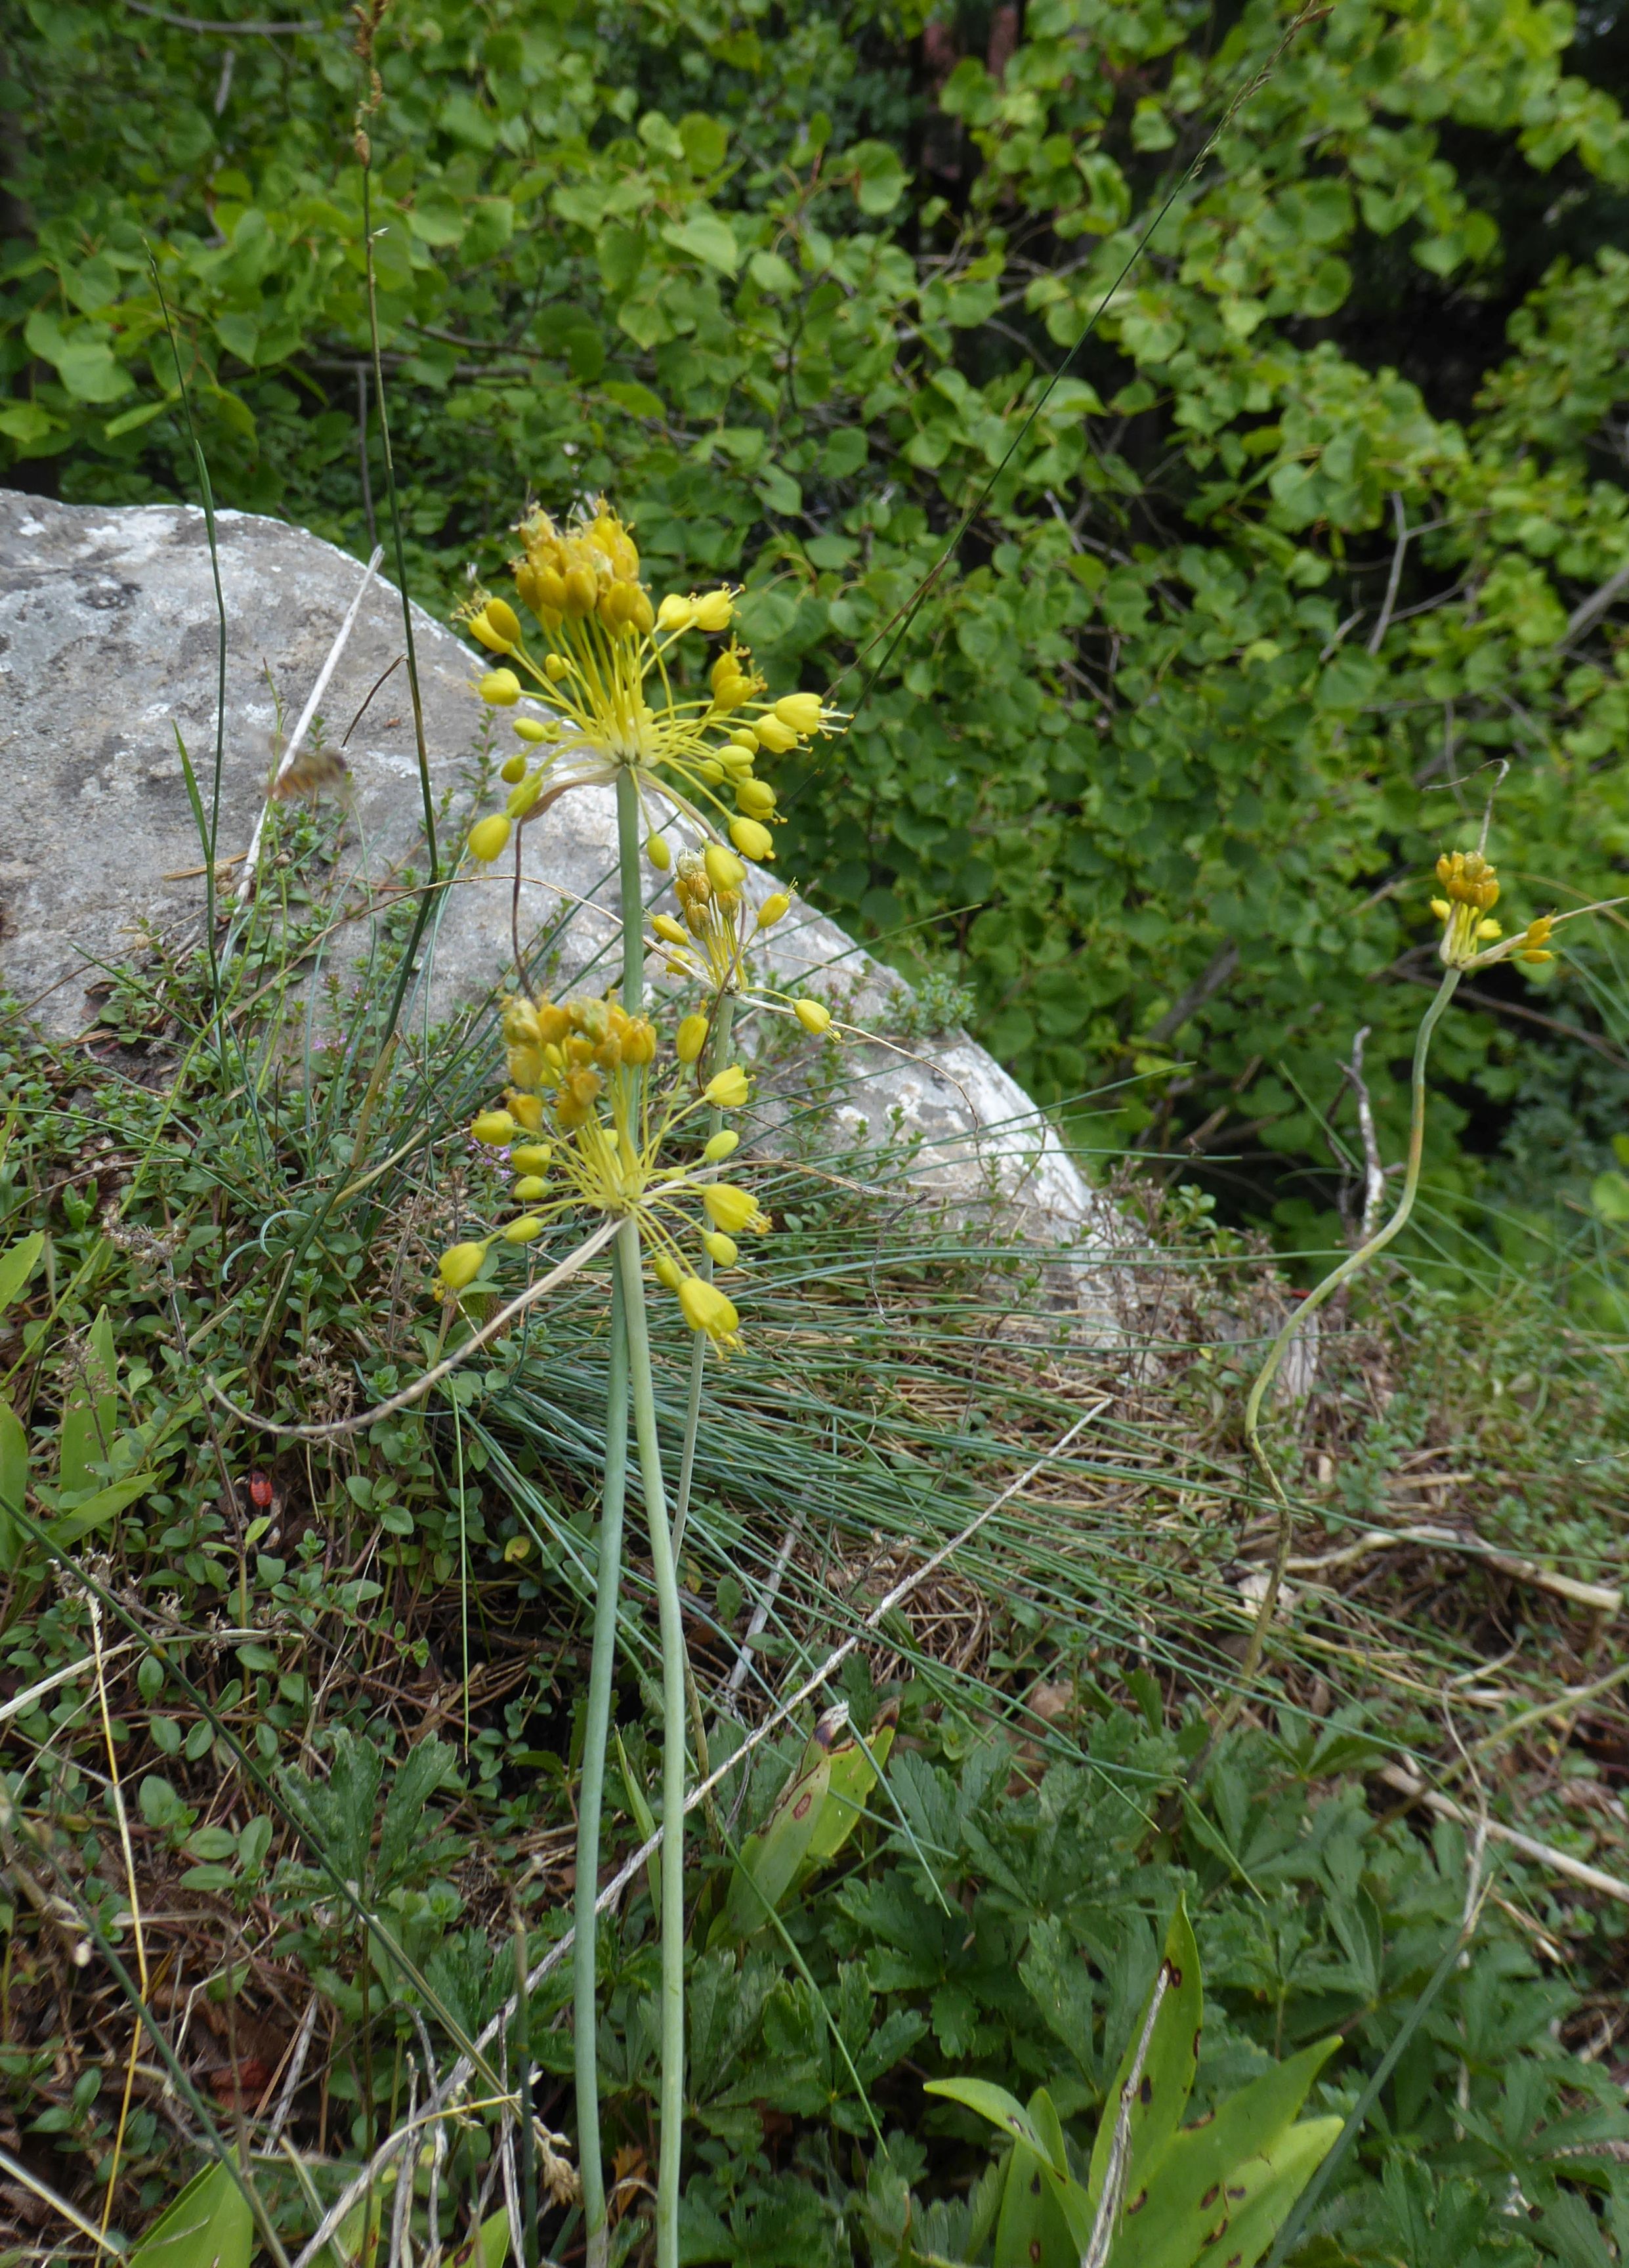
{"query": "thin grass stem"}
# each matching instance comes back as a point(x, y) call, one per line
point(590, 1794)
point(671, 2100)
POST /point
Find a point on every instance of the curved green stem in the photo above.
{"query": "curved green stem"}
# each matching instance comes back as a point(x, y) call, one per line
point(717, 1056)
point(671, 2104)
point(1351, 1266)
point(590, 1795)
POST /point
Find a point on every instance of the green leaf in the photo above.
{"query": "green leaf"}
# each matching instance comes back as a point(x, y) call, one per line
point(488, 2249)
point(90, 1409)
point(131, 421)
point(769, 1860)
point(707, 237)
point(13, 1486)
point(1290, 2164)
point(99, 1507)
point(853, 1777)
point(645, 1820)
point(1168, 2068)
point(1173, 2205)
point(880, 176)
point(1609, 1193)
point(209, 2226)
point(1001, 2108)
point(18, 1263)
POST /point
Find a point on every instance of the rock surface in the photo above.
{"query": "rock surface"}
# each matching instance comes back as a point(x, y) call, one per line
point(108, 651)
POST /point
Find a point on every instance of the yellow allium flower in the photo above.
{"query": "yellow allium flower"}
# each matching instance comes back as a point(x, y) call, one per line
point(607, 678)
point(589, 1072)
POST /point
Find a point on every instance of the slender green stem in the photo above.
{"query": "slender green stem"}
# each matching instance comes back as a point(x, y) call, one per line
point(523, 2080)
point(633, 897)
point(671, 2104)
point(717, 1056)
point(590, 1795)
point(1351, 1266)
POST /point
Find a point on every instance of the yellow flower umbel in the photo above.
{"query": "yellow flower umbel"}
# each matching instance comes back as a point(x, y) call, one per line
point(1471, 892)
point(709, 945)
point(585, 1120)
point(611, 700)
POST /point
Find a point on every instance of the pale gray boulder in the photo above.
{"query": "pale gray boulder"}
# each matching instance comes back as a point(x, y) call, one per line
point(108, 649)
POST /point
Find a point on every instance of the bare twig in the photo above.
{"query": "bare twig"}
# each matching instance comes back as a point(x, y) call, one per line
point(246, 882)
point(1543, 1854)
point(1589, 611)
point(1599, 1598)
point(1377, 636)
point(488, 1331)
point(248, 30)
point(1373, 1172)
point(1120, 2150)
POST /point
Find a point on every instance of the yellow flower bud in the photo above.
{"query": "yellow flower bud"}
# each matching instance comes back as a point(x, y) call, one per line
point(503, 619)
point(722, 1145)
point(639, 1041)
point(520, 799)
point(723, 1249)
point(669, 930)
point(513, 768)
point(530, 1157)
point(529, 1188)
point(523, 1231)
point(751, 840)
point(801, 711)
point(490, 633)
point(500, 688)
point(755, 796)
point(727, 1089)
point(690, 1038)
point(582, 592)
point(746, 738)
point(667, 1271)
point(731, 1208)
point(529, 729)
point(813, 1015)
point(458, 1268)
point(712, 612)
point(659, 853)
point(775, 736)
point(489, 838)
point(1489, 929)
point(724, 870)
point(676, 613)
point(556, 666)
point(527, 1108)
point(707, 1310)
point(494, 1129)
point(1441, 907)
point(774, 908)
point(554, 1022)
point(548, 592)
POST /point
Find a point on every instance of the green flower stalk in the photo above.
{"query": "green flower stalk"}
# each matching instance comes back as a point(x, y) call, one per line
point(1472, 940)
